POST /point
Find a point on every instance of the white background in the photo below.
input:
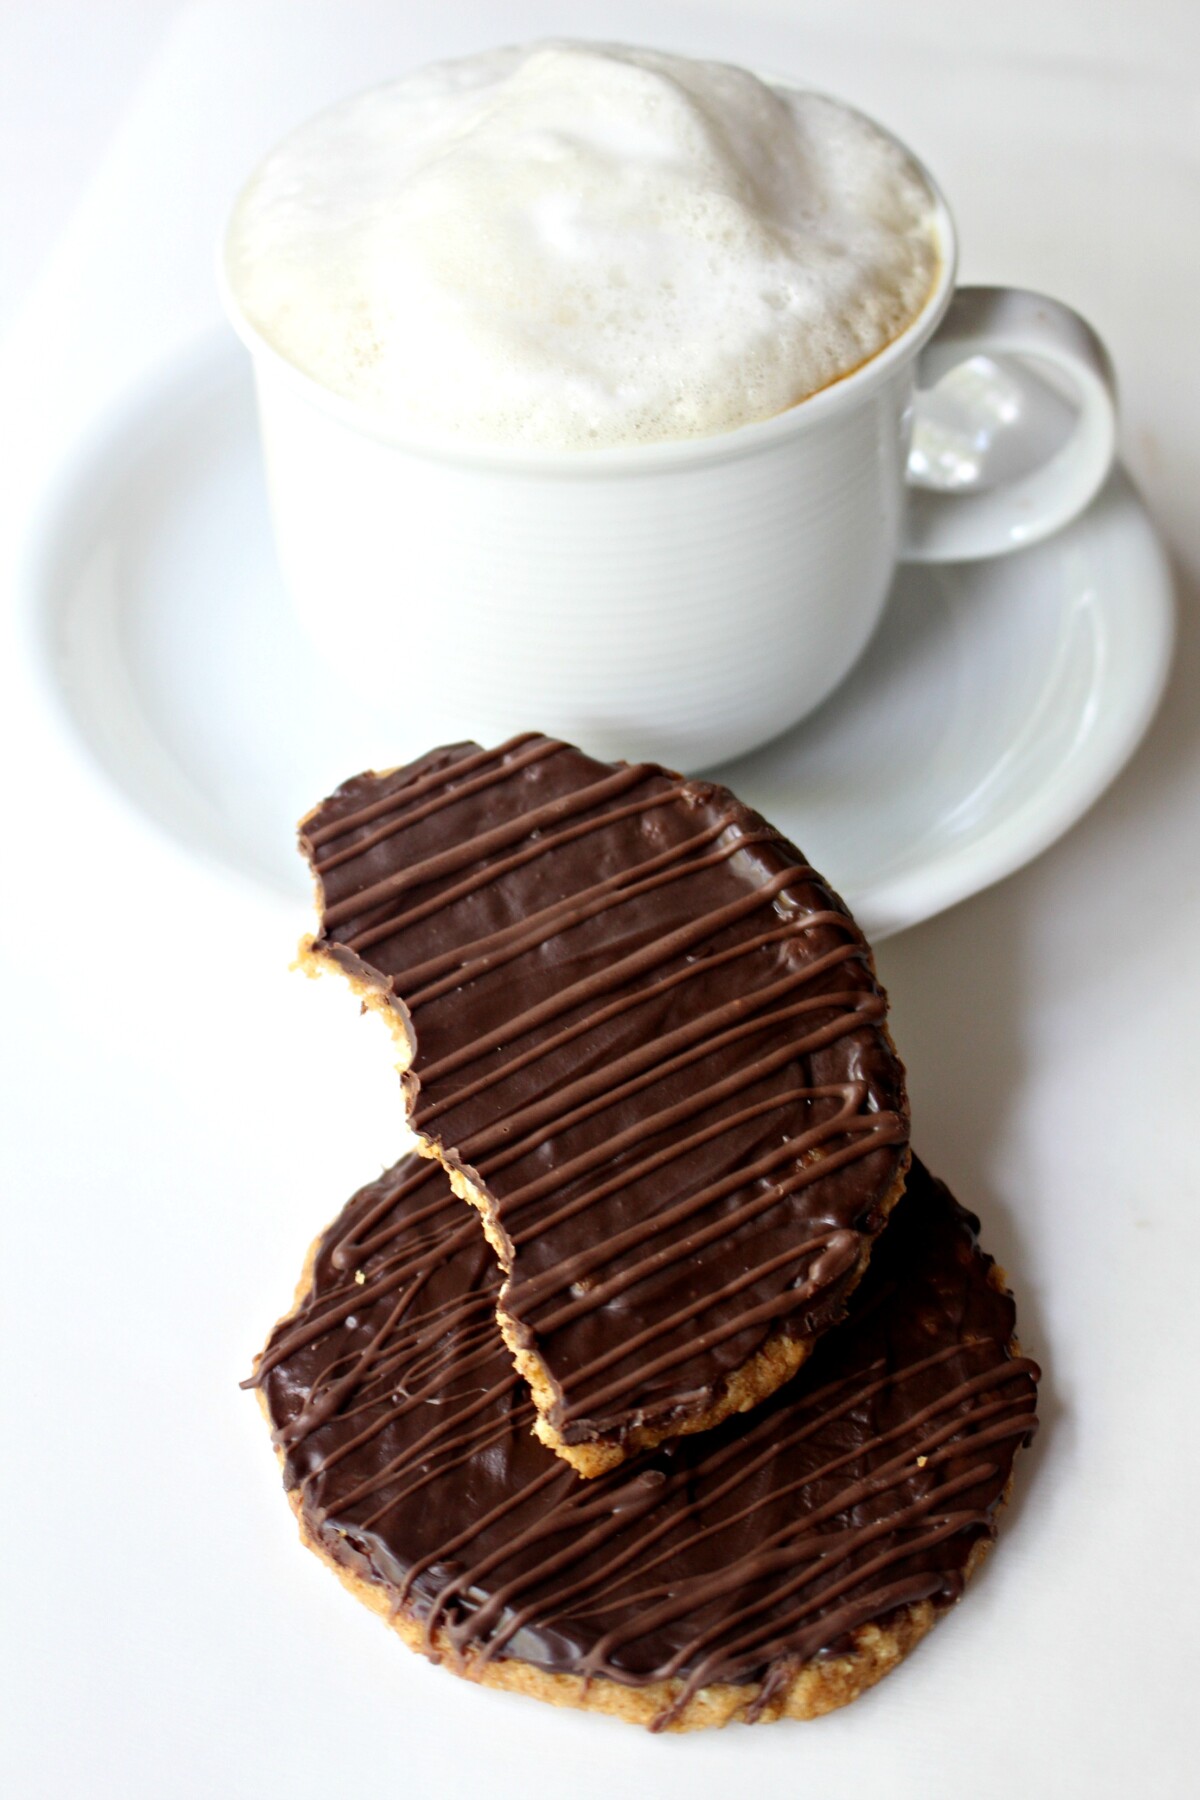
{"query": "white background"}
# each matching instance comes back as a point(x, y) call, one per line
point(163, 1168)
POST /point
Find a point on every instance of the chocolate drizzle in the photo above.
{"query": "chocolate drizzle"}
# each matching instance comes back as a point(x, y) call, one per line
point(857, 1491)
point(650, 1040)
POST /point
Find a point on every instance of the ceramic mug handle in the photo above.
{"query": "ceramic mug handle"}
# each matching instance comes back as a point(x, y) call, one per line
point(960, 522)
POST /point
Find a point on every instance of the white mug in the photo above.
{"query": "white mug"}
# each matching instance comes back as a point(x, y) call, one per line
point(684, 601)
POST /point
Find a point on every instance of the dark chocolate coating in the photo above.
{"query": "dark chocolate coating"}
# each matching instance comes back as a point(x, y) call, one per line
point(857, 1490)
point(650, 1034)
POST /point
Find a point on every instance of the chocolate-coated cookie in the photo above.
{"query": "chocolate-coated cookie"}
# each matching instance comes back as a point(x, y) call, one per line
point(648, 1043)
point(778, 1564)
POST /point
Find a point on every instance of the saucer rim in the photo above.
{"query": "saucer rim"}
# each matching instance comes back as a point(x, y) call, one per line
point(884, 909)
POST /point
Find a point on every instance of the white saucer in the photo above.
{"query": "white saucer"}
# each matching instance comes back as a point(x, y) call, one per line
point(993, 707)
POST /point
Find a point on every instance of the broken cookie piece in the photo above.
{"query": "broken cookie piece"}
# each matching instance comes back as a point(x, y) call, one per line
point(778, 1565)
point(647, 1042)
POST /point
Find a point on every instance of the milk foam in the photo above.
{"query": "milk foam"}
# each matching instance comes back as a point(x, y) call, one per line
point(572, 246)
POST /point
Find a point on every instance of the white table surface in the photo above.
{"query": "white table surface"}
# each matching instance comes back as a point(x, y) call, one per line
point(160, 1165)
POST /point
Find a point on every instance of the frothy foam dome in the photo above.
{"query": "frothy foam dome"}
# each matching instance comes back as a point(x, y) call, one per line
point(572, 246)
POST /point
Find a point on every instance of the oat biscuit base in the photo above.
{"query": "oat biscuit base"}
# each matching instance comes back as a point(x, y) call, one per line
point(648, 1045)
point(775, 1568)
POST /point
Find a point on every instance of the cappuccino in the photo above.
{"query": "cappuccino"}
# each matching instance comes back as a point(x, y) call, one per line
point(574, 246)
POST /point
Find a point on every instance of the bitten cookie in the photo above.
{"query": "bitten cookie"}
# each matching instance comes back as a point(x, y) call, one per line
point(648, 1044)
point(777, 1565)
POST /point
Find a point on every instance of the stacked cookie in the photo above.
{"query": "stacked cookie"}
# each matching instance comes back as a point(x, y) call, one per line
point(665, 1422)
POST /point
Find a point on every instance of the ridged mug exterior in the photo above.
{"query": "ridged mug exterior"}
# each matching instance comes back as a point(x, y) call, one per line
point(683, 602)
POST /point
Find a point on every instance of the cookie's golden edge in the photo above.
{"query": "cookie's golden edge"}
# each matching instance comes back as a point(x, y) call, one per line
point(775, 1362)
point(820, 1686)
point(816, 1687)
